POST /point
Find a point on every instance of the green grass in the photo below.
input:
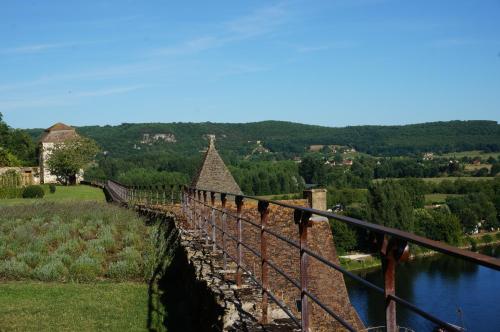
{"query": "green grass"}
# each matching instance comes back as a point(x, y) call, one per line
point(32, 306)
point(63, 193)
point(363, 264)
point(437, 198)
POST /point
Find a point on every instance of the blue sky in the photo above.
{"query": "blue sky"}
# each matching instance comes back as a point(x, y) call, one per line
point(333, 63)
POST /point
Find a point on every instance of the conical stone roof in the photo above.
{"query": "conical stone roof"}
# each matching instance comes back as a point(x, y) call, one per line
point(213, 173)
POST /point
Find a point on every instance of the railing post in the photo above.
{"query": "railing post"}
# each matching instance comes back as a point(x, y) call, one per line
point(157, 194)
point(239, 272)
point(205, 216)
point(199, 210)
point(212, 217)
point(172, 194)
point(163, 194)
point(192, 207)
point(392, 251)
point(303, 219)
point(264, 213)
point(224, 217)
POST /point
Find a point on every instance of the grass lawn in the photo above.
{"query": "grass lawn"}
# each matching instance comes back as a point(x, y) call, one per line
point(33, 306)
point(63, 193)
point(437, 198)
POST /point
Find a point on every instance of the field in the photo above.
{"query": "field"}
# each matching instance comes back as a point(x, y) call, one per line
point(471, 154)
point(73, 241)
point(477, 167)
point(447, 178)
point(437, 198)
point(72, 265)
point(63, 193)
point(35, 306)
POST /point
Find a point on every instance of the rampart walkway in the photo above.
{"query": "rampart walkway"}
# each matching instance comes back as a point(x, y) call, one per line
point(278, 258)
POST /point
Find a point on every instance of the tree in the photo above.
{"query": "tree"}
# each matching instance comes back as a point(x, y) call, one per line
point(495, 169)
point(438, 224)
point(343, 235)
point(7, 159)
point(67, 159)
point(389, 204)
point(312, 169)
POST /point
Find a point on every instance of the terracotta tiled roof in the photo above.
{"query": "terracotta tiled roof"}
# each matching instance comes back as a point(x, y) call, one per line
point(214, 175)
point(58, 133)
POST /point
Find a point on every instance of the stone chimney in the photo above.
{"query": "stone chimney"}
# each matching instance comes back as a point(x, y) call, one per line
point(316, 198)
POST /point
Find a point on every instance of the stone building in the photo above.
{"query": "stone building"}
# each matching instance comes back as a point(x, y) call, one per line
point(58, 133)
point(213, 173)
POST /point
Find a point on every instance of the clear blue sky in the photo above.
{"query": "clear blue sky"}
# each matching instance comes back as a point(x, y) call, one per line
point(333, 63)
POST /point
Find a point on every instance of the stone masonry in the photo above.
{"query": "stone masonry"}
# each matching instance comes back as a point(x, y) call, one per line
point(213, 173)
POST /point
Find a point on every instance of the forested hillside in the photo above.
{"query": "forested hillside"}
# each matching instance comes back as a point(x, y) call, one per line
point(129, 140)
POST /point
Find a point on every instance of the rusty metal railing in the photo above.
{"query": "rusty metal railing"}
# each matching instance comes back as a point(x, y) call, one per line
point(201, 212)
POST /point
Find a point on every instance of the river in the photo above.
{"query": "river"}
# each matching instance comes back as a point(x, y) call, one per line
point(440, 285)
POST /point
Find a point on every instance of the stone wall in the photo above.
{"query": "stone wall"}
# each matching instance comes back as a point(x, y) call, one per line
point(325, 283)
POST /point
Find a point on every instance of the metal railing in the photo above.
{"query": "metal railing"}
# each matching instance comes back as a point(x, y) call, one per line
point(201, 207)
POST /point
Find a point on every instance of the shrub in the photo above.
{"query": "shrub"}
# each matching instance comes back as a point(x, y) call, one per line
point(32, 259)
point(105, 236)
point(6, 192)
point(14, 269)
point(130, 254)
point(123, 270)
point(487, 238)
point(23, 233)
point(131, 238)
point(38, 244)
point(473, 243)
point(33, 192)
point(84, 269)
point(95, 251)
point(64, 258)
point(3, 251)
point(88, 232)
point(52, 188)
point(58, 233)
point(497, 236)
point(54, 270)
point(71, 248)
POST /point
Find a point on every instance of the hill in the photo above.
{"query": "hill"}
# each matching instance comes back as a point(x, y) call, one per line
point(239, 139)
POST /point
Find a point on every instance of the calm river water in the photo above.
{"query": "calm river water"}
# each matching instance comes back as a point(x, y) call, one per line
point(440, 285)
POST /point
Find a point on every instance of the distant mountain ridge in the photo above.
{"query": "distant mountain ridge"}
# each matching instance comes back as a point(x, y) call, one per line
point(292, 138)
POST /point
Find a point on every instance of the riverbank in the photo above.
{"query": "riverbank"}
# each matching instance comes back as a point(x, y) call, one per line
point(362, 262)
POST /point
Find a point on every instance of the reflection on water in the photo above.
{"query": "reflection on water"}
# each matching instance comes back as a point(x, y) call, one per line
point(440, 285)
